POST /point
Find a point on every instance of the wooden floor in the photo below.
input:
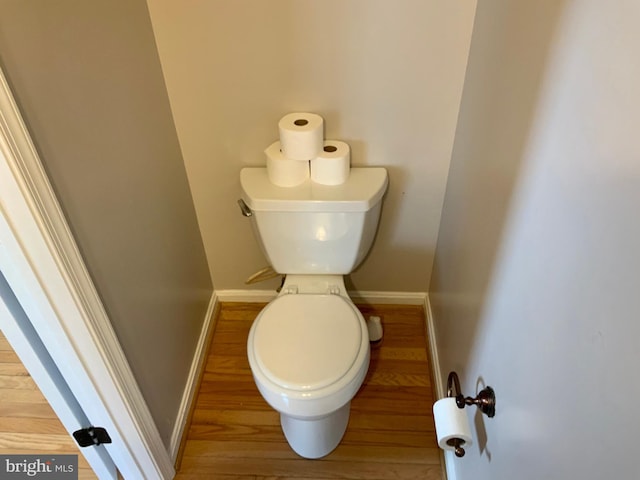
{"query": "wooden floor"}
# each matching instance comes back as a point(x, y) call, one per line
point(28, 425)
point(235, 435)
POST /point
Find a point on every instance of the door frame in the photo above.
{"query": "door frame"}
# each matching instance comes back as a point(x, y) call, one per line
point(43, 266)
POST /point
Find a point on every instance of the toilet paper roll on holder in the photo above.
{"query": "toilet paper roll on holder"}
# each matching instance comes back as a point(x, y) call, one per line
point(485, 401)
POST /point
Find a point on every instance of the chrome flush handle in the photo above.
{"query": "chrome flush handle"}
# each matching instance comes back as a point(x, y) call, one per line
point(244, 208)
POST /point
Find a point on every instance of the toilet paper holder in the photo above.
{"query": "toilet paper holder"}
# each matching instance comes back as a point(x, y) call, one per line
point(485, 400)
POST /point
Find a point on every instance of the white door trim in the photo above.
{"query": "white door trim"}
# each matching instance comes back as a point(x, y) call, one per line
point(43, 266)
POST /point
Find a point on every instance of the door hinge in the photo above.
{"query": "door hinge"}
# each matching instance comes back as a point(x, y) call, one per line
point(87, 437)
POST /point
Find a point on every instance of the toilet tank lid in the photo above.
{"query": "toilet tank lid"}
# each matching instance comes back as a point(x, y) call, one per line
point(362, 191)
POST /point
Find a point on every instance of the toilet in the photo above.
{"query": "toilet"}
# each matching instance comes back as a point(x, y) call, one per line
point(309, 348)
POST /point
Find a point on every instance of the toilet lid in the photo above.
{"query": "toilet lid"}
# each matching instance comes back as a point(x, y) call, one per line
point(306, 342)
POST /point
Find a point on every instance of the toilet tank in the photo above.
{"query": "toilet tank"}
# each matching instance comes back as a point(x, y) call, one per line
point(313, 228)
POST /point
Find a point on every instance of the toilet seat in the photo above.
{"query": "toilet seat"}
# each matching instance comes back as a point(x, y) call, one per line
point(306, 342)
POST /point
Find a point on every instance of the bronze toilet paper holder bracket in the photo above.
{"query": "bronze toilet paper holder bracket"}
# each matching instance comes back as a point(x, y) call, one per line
point(485, 401)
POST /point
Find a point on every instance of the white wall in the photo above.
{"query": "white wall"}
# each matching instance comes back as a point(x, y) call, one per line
point(536, 278)
point(386, 76)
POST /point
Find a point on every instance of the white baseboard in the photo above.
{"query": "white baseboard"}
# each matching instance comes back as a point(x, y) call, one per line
point(447, 457)
point(389, 298)
point(248, 296)
point(433, 350)
point(383, 298)
point(192, 384)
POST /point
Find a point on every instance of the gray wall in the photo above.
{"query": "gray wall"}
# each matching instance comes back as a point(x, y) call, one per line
point(534, 290)
point(385, 75)
point(88, 80)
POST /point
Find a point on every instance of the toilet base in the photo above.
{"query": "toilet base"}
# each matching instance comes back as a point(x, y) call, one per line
point(318, 437)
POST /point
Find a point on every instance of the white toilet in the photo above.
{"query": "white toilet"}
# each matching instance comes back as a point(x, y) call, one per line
point(309, 348)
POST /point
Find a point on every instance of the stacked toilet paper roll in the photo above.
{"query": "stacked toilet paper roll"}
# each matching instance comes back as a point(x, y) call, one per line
point(283, 171)
point(302, 153)
point(301, 135)
point(332, 165)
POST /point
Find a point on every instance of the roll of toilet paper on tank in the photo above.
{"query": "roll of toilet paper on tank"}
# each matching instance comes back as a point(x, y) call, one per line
point(283, 171)
point(451, 422)
point(301, 135)
point(333, 164)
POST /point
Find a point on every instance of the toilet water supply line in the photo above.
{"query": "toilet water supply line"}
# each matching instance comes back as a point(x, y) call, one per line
point(261, 275)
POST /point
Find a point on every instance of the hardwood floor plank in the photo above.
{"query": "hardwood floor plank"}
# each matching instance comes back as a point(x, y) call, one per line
point(4, 344)
point(8, 356)
point(393, 399)
point(235, 417)
point(209, 451)
point(261, 433)
point(230, 364)
point(310, 469)
point(379, 377)
point(235, 435)
point(25, 396)
point(14, 408)
point(391, 422)
point(403, 353)
point(13, 370)
point(17, 382)
point(21, 424)
point(46, 442)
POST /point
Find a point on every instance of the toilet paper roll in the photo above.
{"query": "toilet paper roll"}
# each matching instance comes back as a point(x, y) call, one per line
point(451, 422)
point(332, 165)
point(283, 171)
point(301, 135)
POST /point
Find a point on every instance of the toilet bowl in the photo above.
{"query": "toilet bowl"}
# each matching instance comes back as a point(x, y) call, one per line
point(309, 354)
point(309, 348)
